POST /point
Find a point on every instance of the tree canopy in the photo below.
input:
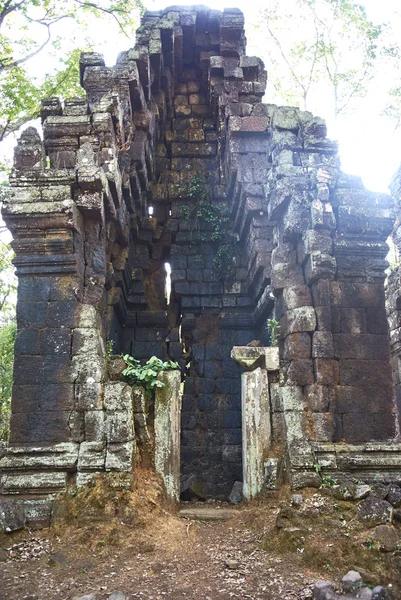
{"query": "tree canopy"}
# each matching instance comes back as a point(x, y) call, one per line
point(8, 331)
point(36, 29)
point(322, 48)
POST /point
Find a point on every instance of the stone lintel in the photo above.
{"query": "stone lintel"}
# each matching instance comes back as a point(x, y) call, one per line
point(35, 482)
point(252, 357)
point(61, 456)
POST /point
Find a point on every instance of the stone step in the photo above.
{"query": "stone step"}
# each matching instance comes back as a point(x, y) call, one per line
point(199, 513)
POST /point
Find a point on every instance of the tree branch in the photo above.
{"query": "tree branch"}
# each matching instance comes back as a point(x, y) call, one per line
point(106, 11)
point(279, 46)
point(7, 9)
point(11, 127)
point(354, 90)
point(20, 61)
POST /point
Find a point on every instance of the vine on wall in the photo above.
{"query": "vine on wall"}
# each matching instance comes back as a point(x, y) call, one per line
point(200, 208)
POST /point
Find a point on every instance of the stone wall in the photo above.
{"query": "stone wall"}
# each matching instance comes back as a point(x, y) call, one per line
point(170, 148)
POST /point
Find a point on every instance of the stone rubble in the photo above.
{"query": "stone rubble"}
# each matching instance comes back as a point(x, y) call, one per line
point(353, 588)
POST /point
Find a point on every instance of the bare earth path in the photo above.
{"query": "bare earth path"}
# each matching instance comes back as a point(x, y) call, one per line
point(171, 558)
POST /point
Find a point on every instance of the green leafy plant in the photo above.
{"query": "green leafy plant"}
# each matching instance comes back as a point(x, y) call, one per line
point(7, 338)
point(273, 327)
point(31, 30)
point(216, 215)
point(146, 375)
point(370, 544)
point(109, 349)
point(328, 481)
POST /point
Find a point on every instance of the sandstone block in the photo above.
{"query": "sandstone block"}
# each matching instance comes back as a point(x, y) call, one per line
point(322, 346)
point(297, 346)
point(290, 398)
point(299, 372)
point(120, 457)
point(324, 427)
point(118, 396)
point(375, 373)
point(394, 495)
point(301, 319)
point(315, 240)
point(248, 124)
point(296, 297)
point(327, 371)
point(325, 319)
point(320, 397)
point(286, 118)
point(361, 346)
point(319, 266)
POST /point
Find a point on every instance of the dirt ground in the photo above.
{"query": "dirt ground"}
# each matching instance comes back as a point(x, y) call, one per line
point(148, 553)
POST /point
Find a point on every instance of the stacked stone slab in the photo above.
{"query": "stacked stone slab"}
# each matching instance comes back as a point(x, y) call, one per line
point(98, 208)
point(393, 291)
point(328, 270)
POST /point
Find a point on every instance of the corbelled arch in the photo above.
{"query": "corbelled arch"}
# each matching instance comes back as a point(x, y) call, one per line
point(172, 157)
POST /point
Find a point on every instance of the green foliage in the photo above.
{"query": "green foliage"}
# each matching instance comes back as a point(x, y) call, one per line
point(8, 330)
point(20, 94)
point(7, 338)
point(371, 544)
point(273, 327)
point(216, 215)
point(393, 107)
point(328, 481)
point(32, 28)
point(8, 284)
point(146, 375)
point(321, 47)
point(109, 349)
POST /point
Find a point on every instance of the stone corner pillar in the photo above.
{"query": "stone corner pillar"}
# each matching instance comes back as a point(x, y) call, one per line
point(167, 426)
point(256, 415)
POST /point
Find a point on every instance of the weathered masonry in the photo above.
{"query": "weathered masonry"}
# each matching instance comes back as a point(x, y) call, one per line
point(173, 159)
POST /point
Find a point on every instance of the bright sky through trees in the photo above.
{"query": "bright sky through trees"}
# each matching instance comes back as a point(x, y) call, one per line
point(369, 144)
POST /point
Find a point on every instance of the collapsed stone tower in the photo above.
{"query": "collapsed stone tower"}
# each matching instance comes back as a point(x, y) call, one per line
point(173, 159)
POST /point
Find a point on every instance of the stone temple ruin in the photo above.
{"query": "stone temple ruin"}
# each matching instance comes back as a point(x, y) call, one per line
point(173, 159)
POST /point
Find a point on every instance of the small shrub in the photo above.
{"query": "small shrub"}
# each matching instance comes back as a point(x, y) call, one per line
point(273, 327)
point(146, 375)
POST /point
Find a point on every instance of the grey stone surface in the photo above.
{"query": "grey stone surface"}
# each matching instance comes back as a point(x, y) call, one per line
point(236, 495)
point(12, 516)
point(352, 581)
point(362, 491)
point(379, 593)
point(387, 537)
point(207, 514)
point(117, 596)
point(374, 511)
point(297, 500)
point(323, 590)
point(394, 495)
point(365, 594)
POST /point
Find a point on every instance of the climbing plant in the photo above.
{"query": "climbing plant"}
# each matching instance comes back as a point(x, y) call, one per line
point(146, 375)
point(216, 215)
point(273, 327)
